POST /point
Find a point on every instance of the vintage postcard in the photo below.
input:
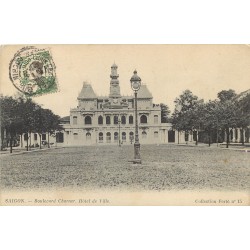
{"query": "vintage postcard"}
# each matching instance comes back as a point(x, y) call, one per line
point(91, 125)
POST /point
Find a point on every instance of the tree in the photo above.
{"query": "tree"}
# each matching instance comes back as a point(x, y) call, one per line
point(51, 123)
point(210, 119)
point(185, 114)
point(226, 95)
point(243, 106)
point(45, 121)
point(234, 112)
point(21, 115)
point(164, 113)
point(11, 119)
point(197, 118)
point(28, 108)
point(228, 117)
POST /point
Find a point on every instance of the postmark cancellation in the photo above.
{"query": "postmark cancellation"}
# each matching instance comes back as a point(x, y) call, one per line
point(33, 72)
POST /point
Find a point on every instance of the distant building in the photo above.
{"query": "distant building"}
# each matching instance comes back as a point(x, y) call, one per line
point(108, 119)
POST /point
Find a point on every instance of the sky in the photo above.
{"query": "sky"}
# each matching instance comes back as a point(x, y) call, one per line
point(167, 70)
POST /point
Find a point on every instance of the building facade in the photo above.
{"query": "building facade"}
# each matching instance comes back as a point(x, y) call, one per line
point(111, 119)
point(103, 120)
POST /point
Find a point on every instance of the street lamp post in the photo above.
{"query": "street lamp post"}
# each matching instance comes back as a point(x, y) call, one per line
point(135, 85)
point(119, 128)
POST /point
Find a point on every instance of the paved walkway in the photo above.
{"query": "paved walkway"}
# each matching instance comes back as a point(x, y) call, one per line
point(19, 151)
point(232, 146)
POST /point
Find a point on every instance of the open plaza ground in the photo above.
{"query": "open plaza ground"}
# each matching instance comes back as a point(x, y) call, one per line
point(164, 167)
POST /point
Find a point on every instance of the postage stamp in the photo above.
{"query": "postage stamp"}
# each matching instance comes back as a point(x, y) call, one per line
point(33, 72)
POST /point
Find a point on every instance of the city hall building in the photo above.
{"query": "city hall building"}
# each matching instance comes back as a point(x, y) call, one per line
point(111, 119)
point(106, 120)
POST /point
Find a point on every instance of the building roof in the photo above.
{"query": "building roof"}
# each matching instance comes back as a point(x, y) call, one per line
point(65, 119)
point(87, 92)
point(143, 92)
point(114, 65)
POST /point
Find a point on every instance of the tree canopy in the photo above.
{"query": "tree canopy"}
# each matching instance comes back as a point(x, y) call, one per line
point(192, 114)
point(20, 115)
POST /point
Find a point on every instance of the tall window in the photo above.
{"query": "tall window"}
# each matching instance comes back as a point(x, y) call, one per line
point(231, 134)
point(155, 119)
point(100, 120)
point(144, 134)
point(75, 136)
point(236, 133)
point(116, 136)
point(123, 136)
point(155, 134)
point(59, 137)
point(35, 137)
point(123, 119)
point(107, 119)
point(100, 137)
point(131, 136)
point(88, 136)
point(144, 119)
point(26, 137)
point(88, 120)
point(74, 120)
point(115, 119)
point(43, 137)
point(131, 119)
point(108, 137)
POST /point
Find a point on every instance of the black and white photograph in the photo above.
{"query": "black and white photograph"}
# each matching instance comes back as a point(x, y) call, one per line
point(125, 125)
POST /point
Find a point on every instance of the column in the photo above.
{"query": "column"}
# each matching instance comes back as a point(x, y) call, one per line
point(233, 135)
point(243, 135)
point(166, 136)
point(176, 135)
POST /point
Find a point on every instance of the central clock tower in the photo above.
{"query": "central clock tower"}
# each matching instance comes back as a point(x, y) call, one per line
point(114, 82)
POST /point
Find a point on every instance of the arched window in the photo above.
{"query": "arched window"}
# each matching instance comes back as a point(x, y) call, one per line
point(107, 119)
point(155, 119)
point(123, 119)
point(100, 120)
point(123, 136)
point(74, 120)
point(155, 134)
point(108, 137)
point(75, 136)
point(144, 119)
point(116, 136)
point(100, 137)
point(144, 134)
point(88, 136)
point(131, 120)
point(115, 119)
point(88, 120)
